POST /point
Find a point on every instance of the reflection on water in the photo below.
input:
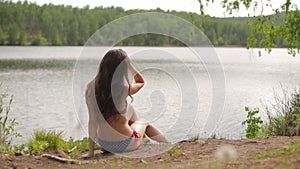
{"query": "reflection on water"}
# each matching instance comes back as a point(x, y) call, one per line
point(41, 83)
point(30, 64)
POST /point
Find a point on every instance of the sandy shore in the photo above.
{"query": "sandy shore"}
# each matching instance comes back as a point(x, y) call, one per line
point(270, 152)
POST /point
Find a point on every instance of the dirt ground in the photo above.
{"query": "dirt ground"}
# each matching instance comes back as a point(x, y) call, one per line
point(211, 153)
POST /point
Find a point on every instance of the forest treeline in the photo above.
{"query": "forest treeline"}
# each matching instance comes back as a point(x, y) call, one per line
point(24, 23)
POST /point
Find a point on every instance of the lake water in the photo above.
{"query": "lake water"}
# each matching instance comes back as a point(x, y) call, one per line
point(178, 96)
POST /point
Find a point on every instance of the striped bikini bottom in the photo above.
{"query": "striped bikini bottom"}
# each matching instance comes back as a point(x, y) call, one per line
point(117, 146)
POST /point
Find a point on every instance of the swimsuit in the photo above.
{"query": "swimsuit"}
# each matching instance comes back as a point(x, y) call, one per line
point(117, 146)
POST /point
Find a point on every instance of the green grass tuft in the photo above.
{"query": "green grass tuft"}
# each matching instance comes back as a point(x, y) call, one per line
point(43, 141)
point(283, 116)
point(175, 152)
point(52, 141)
point(291, 149)
point(74, 147)
point(7, 124)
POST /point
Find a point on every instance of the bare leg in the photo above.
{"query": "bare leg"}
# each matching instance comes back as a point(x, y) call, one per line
point(144, 128)
point(132, 116)
point(140, 127)
point(155, 134)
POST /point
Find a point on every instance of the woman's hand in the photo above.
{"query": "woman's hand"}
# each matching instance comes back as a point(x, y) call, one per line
point(138, 78)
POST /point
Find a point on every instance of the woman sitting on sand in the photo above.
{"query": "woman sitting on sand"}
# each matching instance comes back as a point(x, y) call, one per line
point(113, 122)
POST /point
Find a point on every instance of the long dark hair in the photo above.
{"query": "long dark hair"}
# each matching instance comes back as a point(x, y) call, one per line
point(110, 83)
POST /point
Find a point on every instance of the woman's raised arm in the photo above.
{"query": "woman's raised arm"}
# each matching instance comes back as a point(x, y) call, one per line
point(138, 78)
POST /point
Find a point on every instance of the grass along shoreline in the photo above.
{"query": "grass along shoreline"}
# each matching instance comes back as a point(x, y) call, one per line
point(267, 152)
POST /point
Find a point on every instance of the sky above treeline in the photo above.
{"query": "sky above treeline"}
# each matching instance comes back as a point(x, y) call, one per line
point(214, 9)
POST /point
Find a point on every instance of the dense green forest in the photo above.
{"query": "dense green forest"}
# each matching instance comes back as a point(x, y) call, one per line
point(24, 23)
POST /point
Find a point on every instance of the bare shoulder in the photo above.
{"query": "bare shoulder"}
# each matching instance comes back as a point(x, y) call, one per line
point(90, 88)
